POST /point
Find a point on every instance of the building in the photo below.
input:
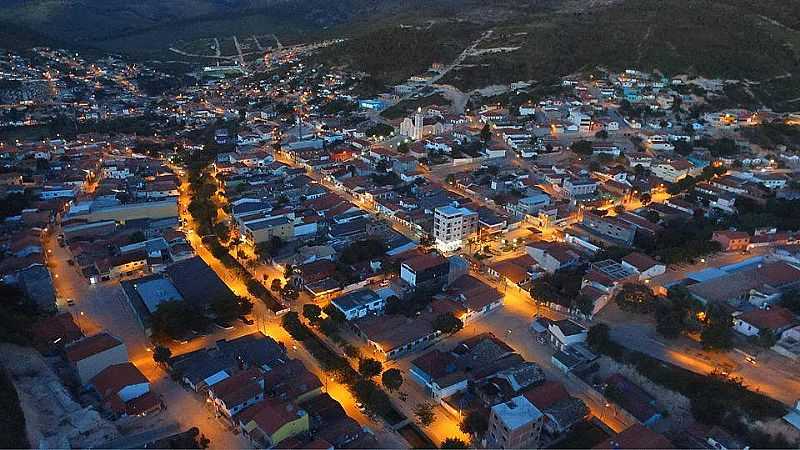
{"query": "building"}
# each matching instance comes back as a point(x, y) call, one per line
point(359, 304)
point(235, 393)
point(637, 436)
point(761, 285)
point(553, 256)
point(132, 211)
point(516, 423)
point(451, 226)
point(672, 171)
point(579, 187)
point(774, 320)
point(428, 271)
point(90, 355)
point(563, 333)
point(731, 241)
point(644, 265)
point(262, 230)
point(617, 231)
point(125, 390)
point(562, 410)
point(270, 422)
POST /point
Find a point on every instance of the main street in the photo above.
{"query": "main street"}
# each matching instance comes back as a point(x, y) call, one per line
point(267, 323)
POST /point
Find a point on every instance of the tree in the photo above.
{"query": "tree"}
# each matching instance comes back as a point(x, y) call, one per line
point(424, 413)
point(288, 272)
point(392, 379)
point(291, 322)
point(334, 313)
point(447, 323)
point(312, 312)
point(474, 423)
point(276, 285)
point(645, 198)
point(582, 147)
point(225, 308)
point(453, 442)
point(161, 354)
point(174, 319)
point(635, 297)
point(791, 300)
point(717, 334)
point(602, 134)
point(599, 337)
point(766, 338)
point(136, 237)
point(369, 367)
point(486, 133)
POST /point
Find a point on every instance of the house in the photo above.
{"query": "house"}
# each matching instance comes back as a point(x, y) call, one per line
point(438, 372)
point(206, 367)
point(516, 423)
point(90, 355)
point(55, 332)
point(671, 171)
point(563, 333)
point(758, 285)
point(443, 374)
point(562, 410)
point(580, 187)
point(477, 297)
point(776, 320)
point(644, 265)
point(237, 392)
point(270, 422)
point(731, 241)
point(633, 399)
point(637, 436)
point(392, 335)
point(359, 303)
point(291, 382)
point(124, 390)
point(553, 256)
point(427, 271)
point(611, 229)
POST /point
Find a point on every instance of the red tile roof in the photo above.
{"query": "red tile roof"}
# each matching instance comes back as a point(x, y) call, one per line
point(114, 378)
point(238, 388)
point(636, 437)
point(547, 394)
point(90, 346)
point(774, 318)
point(272, 415)
point(423, 262)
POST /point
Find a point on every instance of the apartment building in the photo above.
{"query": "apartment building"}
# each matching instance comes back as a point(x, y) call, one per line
point(451, 226)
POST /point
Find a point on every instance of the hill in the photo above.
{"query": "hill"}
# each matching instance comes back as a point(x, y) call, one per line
point(758, 41)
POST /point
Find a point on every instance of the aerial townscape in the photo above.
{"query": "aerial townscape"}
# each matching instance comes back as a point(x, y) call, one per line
point(300, 224)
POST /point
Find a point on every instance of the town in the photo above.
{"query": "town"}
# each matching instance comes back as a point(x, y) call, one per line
point(268, 254)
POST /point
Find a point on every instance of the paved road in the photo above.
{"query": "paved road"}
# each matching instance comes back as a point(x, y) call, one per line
point(104, 307)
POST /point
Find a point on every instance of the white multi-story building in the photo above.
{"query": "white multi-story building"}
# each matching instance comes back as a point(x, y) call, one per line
point(577, 187)
point(451, 226)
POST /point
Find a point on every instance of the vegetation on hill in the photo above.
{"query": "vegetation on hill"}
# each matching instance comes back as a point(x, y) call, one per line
point(707, 37)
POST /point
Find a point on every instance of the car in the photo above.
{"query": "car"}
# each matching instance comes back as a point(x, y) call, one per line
point(247, 320)
point(70, 302)
point(360, 407)
point(70, 262)
point(751, 360)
